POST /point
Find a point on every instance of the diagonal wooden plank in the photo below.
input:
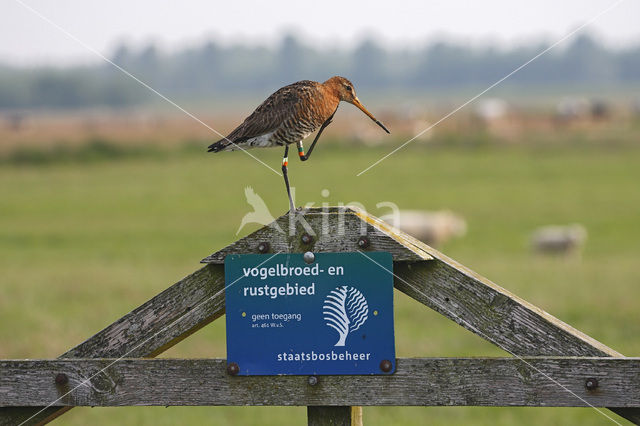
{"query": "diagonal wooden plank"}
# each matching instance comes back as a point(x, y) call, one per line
point(163, 321)
point(495, 314)
point(334, 230)
point(532, 382)
point(489, 310)
point(148, 330)
point(492, 312)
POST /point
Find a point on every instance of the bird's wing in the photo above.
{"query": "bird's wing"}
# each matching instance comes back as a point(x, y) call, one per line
point(273, 111)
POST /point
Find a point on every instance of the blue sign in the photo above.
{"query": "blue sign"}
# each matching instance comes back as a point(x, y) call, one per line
point(331, 316)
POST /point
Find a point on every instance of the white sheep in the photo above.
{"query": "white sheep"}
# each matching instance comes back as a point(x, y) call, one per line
point(431, 227)
point(559, 239)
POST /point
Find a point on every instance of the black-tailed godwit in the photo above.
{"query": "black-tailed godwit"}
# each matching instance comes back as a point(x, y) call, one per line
point(291, 114)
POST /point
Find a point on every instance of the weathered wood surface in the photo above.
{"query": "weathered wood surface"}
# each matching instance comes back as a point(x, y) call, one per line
point(148, 330)
point(495, 314)
point(492, 312)
point(533, 382)
point(334, 416)
point(489, 310)
point(163, 321)
point(442, 284)
point(334, 229)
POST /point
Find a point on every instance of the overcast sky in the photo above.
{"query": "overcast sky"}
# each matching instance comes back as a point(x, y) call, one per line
point(26, 38)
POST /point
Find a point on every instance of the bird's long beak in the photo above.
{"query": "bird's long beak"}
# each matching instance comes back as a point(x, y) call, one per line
point(361, 107)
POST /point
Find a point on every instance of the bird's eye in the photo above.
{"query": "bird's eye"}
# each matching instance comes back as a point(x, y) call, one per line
point(349, 88)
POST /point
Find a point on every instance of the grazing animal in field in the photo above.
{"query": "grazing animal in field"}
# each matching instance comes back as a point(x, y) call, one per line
point(431, 227)
point(291, 114)
point(559, 240)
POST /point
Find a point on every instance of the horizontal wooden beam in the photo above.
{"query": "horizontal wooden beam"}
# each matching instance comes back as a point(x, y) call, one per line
point(148, 330)
point(533, 382)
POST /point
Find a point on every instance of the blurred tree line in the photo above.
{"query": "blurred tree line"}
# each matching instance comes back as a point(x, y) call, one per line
point(212, 69)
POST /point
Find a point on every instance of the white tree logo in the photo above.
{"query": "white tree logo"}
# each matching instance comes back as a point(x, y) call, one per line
point(345, 310)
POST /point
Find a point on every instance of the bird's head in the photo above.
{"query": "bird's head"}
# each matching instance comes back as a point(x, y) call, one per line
point(345, 91)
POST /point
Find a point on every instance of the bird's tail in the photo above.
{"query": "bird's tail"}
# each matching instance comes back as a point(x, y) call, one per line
point(219, 146)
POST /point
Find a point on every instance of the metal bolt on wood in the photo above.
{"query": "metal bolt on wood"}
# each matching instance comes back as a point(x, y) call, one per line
point(233, 369)
point(263, 247)
point(363, 242)
point(62, 379)
point(313, 380)
point(306, 239)
point(591, 384)
point(385, 365)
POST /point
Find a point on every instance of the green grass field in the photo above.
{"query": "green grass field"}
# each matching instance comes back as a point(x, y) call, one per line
point(81, 244)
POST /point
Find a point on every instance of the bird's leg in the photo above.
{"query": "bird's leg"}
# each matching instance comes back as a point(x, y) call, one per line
point(304, 157)
point(285, 163)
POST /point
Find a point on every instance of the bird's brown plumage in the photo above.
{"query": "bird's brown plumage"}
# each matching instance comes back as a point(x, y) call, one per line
point(288, 115)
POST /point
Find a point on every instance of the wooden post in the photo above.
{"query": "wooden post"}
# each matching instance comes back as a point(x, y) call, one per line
point(334, 416)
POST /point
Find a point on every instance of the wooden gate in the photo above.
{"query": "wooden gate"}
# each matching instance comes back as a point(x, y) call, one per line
point(553, 364)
